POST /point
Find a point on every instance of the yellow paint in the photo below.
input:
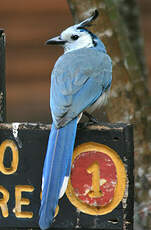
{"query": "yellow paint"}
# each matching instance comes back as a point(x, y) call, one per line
point(121, 180)
point(22, 201)
point(41, 195)
point(94, 169)
point(56, 211)
point(14, 164)
point(3, 201)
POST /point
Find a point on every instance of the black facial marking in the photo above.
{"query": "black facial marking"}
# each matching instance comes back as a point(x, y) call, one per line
point(94, 43)
point(92, 35)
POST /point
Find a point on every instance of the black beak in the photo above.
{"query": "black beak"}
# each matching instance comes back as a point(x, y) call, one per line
point(55, 41)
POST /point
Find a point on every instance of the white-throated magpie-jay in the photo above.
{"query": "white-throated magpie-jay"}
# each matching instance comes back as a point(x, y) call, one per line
point(80, 80)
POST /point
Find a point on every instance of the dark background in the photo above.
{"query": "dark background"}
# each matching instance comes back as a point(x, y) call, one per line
point(29, 62)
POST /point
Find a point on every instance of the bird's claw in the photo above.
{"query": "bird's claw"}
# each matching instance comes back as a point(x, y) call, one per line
point(92, 119)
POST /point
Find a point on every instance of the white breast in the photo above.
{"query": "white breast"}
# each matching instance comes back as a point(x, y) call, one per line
point(101, 100)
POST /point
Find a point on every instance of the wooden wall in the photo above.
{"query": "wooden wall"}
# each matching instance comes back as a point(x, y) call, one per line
point(29, 62)
point(28, 24)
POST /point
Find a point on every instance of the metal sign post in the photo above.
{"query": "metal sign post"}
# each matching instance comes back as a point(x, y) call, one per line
point(2, 77)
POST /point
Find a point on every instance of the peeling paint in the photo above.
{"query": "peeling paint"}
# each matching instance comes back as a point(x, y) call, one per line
point(15, 127)
point(102, 127)
point(113, 221)
point(1, 97)
point(78, 219)
point(124, 200)
point(102, 182)
point(78, 211)
point(124, 222)
point(125, 159)
point(114, 183)
point(86, 191)
point(26, 125)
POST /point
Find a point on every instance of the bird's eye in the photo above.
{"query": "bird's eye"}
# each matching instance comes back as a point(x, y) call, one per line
point(74, 37)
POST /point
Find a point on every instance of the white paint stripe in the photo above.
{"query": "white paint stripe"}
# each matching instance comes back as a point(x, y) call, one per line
point(15, 127)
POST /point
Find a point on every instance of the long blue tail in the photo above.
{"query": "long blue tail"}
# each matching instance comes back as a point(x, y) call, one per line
point(56, 167)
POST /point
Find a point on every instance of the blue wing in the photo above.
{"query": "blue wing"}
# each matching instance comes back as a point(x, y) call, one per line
point(79, 78)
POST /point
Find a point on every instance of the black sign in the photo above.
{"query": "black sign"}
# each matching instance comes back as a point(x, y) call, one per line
point(22, 152)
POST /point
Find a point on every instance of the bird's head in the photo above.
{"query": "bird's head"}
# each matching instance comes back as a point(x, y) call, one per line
point(77, 36)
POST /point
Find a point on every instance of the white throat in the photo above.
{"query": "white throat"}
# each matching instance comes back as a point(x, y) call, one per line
point(69, 49)
point(82, 42)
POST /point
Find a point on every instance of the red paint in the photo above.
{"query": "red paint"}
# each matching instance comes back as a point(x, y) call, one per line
point(81, 180)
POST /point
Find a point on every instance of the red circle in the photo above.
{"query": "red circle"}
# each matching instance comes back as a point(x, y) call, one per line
point(81, 180)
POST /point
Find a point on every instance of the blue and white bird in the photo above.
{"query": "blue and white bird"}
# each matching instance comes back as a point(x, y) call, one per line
point(80, 80)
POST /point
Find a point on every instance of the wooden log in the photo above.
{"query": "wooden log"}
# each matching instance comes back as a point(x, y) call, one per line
point(102, 168)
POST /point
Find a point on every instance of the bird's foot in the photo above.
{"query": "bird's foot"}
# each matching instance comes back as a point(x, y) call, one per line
point(91, 118)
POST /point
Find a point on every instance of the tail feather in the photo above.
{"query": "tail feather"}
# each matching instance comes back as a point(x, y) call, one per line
point(56, 170)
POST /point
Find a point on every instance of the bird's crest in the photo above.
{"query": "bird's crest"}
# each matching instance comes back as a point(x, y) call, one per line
point(88, 22)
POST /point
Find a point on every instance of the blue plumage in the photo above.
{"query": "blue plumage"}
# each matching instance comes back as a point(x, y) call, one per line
point(80, 81)
point(56, 167)
point(79, 78)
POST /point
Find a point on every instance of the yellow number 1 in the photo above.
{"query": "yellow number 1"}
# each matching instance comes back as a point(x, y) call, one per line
point(94, 169)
